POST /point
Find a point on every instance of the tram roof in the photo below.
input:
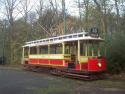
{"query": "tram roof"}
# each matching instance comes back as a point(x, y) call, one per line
point(62, 38)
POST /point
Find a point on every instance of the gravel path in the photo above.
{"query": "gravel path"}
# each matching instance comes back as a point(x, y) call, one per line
point(18, 81)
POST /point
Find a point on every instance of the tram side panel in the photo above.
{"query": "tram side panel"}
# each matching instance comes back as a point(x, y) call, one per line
point(51, 60)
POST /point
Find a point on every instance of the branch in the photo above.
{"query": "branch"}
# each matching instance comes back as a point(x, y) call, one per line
point(98, 5)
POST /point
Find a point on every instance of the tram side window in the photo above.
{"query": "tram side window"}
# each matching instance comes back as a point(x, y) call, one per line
point(56, 49)
point(33, 50)
point(59, 49)
point(26, 49)
point(88, 48)
point(44, 50)
point(67, 49)
point(82, 48)
point(91, 48)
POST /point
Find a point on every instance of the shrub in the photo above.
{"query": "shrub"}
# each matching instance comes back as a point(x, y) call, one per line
point(115, 55)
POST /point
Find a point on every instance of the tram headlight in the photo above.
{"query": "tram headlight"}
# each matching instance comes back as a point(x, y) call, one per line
point(99, 64)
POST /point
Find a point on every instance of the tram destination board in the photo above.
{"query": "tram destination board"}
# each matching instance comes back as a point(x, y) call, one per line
point(93, 32)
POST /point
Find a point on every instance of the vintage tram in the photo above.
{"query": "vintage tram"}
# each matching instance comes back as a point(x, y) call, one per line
point(76, 55)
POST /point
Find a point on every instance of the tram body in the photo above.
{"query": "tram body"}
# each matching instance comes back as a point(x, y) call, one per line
point(78, 52)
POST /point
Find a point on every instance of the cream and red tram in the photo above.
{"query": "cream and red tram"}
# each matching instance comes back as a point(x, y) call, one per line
point(74, 53)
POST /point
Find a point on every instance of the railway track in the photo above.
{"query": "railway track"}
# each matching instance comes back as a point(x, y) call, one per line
point(64, 73)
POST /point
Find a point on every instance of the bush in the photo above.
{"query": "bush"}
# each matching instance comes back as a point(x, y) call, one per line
point(2, 60)
point(115, 55)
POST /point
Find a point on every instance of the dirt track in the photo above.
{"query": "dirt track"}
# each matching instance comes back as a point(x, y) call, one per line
point(18, 81)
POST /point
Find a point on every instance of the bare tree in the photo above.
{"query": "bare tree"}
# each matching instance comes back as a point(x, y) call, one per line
point(25, 8)
point(40, 12)
point(10, 6)
point(40, 7)
point(11, 14)
point(49, 17)
point(101, 16)
point(118, 16)
point(86, 3)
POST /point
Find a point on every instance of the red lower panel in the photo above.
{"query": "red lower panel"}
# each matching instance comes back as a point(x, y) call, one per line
point(78, 67)
point(84, 66)
point(46, 62)
point(33, 61)
point(56, 62)
point(93, 64)
point(43, 61)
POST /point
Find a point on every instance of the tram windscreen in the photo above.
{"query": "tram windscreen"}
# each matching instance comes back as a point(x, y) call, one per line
point(90, 48)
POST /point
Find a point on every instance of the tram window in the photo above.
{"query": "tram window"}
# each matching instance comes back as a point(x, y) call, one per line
point(51, 39)
point(43, 50)
point(60, 38)
point(59, 49)
point(56, 49)
point(81, 35)
point(82, 49)
point(74, 36)
point(70, 36)
point(67, 49)
point(52, 49)
point(26, 49)
point(90, 48)
point(55, 39)
point(33, 50)
point(64, 37)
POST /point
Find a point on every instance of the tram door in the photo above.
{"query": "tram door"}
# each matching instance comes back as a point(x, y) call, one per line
point(71, 49)
point(74, 53)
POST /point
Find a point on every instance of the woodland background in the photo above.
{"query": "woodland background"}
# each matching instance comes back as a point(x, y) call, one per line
point(20, 22)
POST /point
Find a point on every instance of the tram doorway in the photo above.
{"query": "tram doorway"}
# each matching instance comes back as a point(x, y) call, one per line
point(72, 49)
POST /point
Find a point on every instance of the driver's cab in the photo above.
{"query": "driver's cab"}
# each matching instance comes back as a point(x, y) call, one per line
point(81, 50)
